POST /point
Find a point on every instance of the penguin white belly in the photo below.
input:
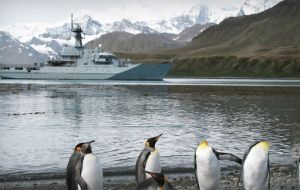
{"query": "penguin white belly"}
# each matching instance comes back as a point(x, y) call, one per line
point(255, 172)
point(153, 163)
point(208, 172)
point(92, 172)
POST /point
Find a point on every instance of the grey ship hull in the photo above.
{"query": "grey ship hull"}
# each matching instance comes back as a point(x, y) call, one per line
point(137, 72)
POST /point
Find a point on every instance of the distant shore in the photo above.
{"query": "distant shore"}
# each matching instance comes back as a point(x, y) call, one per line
point(247, 87)
point(282, 177)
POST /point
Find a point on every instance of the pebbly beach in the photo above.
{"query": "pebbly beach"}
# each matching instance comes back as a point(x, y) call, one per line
point(282, 177)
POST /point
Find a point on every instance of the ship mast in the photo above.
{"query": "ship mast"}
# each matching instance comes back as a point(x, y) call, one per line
point(77, 30)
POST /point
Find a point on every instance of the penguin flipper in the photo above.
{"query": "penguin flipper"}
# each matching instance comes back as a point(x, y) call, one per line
point(70, 179)
point(227, 156)
point(140, 165)
point(242, 168)
point(82, 183)
point(195, 166)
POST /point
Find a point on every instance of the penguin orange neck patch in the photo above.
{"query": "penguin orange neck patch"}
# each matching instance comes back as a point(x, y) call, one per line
point(203, 144)
point(264, 144)
point(78, 149)
point(147, 144)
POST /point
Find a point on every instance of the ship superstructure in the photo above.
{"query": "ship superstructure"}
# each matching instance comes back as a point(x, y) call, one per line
point(79, 63)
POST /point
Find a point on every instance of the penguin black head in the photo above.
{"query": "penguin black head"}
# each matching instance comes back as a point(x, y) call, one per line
point(78, 147)
point(84, 147)
point(151, 142)
point(158, 177)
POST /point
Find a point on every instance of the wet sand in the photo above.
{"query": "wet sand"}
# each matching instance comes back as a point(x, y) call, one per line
point(282, 177)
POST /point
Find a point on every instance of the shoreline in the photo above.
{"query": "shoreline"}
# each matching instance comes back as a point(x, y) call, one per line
point(282, 177)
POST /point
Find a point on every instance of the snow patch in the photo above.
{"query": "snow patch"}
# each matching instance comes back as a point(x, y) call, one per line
point(256, 6)
point(43, 49)
point(20, 50)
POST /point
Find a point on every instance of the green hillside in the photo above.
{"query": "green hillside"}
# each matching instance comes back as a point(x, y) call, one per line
point(261, 45)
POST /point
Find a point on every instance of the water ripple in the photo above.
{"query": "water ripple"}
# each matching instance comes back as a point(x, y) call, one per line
point(120, 119)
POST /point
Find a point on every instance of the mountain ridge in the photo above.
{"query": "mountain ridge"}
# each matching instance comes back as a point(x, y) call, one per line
point(264, 44)
point(49, 40)
point(11, 49)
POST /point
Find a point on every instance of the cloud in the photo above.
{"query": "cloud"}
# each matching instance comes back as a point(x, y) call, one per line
point(108, 11)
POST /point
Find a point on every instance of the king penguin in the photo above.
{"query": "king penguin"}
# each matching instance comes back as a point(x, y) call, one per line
point(148, 160)
point(73, 176)
point(79, 169)
point(207, 169)
point(158, 181)
point(91, 170)
point(255, 166)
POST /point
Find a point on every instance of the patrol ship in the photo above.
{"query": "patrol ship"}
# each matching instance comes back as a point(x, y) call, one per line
point(79, 63)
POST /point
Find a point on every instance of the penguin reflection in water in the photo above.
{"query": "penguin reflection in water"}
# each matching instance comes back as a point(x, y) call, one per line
point(255, 167)
point(84, 171)
point(207, 169)
point(157, 182)
point(148, 160)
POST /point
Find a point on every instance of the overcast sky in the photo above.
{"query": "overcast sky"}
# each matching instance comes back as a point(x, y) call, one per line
point(51, 11)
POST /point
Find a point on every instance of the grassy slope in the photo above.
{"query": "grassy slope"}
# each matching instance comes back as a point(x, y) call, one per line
point(265, 44)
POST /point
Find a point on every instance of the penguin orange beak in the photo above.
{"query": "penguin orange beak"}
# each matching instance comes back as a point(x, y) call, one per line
point(156, 138)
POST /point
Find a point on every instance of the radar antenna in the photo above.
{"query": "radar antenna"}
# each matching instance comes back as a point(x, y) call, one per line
point(71, 22)
point(77, 30)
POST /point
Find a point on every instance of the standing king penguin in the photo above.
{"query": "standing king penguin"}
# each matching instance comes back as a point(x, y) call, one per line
point(148, 160)
point(73, 176)
point(91, 170)
point(255, 166)
point(84, 171)
point(207, 169)
point(157, 182)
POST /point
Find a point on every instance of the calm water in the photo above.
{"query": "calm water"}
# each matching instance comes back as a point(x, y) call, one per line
point(120, 118)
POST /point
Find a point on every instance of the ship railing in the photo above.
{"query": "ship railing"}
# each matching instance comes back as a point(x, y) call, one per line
point(123, 63)
point(29, 69)
point(5, 68)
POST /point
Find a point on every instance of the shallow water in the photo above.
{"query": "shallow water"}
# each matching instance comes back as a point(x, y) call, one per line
point(40, 126)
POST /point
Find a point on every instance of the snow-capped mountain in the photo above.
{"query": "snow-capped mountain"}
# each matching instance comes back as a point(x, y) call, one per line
point(45, 47)
point(11, 49)
point(87, 23)
point(130, 27)
point(49, 38)
point(256, 6)
point(198, 14)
